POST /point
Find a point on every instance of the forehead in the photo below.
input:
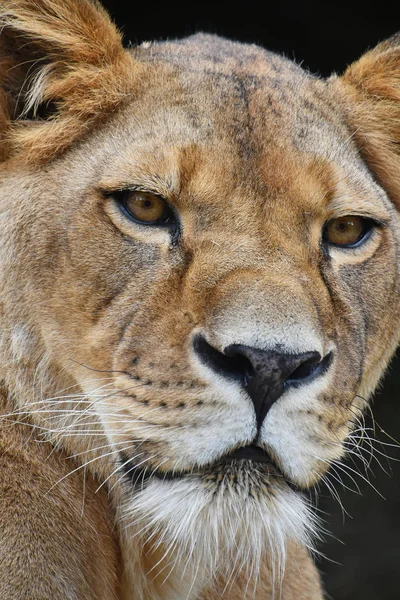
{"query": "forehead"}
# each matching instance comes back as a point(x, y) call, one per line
point(262, 98)
point(219, 117)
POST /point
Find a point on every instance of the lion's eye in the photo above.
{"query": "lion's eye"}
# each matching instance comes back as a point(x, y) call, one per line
point(347, 231)
point(146, 208)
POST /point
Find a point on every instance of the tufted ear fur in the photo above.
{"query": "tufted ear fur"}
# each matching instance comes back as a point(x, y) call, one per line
point(62, 68)
point(372, 93)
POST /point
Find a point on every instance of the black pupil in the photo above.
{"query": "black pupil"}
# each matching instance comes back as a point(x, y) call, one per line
point(147, 203)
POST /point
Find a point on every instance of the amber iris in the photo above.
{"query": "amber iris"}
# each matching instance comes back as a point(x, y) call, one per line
point(345, 231)
point(145, 207)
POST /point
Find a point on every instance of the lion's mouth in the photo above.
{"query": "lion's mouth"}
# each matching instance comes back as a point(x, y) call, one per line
point(252, 455)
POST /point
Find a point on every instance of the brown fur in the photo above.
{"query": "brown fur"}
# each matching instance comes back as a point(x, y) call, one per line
point(372, 93)
point(98, 313)
point(57, 542)
point(75, 59)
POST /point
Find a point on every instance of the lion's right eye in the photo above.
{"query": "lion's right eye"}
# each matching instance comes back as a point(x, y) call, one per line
point(145, 208)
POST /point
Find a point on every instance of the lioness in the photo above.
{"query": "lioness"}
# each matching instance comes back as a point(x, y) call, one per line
point(199, 291)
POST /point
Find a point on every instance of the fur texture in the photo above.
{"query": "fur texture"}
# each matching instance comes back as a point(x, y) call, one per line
point(100, 313)
point(372, 93)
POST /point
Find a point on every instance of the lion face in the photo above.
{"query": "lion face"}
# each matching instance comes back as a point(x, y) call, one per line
point(215, 268)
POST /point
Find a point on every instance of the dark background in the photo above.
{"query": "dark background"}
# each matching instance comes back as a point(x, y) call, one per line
point(364, 554)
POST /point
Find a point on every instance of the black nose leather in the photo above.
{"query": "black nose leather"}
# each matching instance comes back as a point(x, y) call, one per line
point(265, 374)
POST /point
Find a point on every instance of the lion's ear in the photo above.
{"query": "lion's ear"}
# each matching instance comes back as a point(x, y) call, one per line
point(62, 68)
point(371, 88)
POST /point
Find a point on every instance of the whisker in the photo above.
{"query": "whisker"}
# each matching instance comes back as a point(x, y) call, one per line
point(120, 467)
point(84, 465)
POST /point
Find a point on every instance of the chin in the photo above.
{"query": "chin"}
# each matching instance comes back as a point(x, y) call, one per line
point(228, 516)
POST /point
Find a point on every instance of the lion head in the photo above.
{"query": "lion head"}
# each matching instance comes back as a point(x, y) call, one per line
point(200, 276)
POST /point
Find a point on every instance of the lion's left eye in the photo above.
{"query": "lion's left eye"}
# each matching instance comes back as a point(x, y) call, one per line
point(347, 231)
point(146, 208)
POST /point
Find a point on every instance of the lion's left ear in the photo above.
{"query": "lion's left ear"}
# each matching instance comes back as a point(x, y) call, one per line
point(371, 90)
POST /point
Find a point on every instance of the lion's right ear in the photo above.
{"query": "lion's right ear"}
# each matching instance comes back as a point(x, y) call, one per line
point(370, 89)
point(62, 68)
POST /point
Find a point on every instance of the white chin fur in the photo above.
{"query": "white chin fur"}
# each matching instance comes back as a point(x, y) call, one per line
point(211, 527)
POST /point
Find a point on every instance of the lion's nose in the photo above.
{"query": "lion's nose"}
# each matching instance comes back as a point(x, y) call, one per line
point(265, 374)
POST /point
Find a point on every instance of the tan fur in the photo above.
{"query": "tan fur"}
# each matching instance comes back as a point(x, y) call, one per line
point(57, 542)
point(301, 582)
point(99, 314)
point(372, 93)
point(87, 72)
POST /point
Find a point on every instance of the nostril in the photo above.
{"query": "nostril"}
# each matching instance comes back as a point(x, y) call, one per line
point(310, 368)
point(306, 369)
point(242, 363)
point(229, 364)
